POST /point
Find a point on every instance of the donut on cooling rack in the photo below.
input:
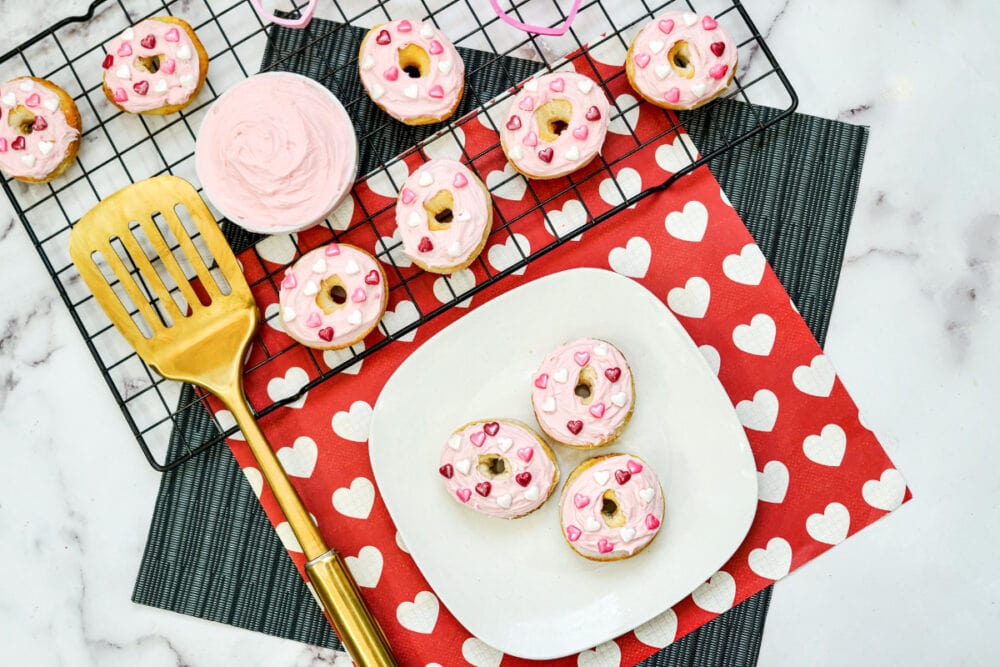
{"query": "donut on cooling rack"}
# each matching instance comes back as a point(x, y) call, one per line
point(556, 124)
point(332, 297)
point(411, 71)
point(155, 67)
point(500, 468)
point(583, 394)
point(444, 215)
point(611, 507)
point(681, 60)
point(39, 129)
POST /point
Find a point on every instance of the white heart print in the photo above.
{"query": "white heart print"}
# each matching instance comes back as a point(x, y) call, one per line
point(624, 122)
point(659, 631)
point(278, 248)
point(567, 219)
point(402, 316)
point(446, 147)
point(610, 52)
point(717, 594)
point(355, 501)
point(629, 184)
point(480, 654)
point(227, 421)
point(632, 260)
point(691, 300)
point(677, 154)
point(831, 526)
point(816, 379)
point(287, 537)
point(333, 358)
point(772, 482)
point(340, 219)
point(757, 337)
point(711, 357)
point(760, 412)
point(746, 268)
point(772, 562)
point(387, 182)
point(828, 447)
point(280, 388)
point(607, 654)
point(255, 479)
point(366, 567)
point(506, 183)
point(886, 492)
point(420, 615)
point(354, 423)
point(393, 247)
point(299, 460)
point(272, 317)
point(461, 281)
point(689, 224)
point(504, 255)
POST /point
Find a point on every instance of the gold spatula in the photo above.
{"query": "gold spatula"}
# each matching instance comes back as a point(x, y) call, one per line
point(205, 345)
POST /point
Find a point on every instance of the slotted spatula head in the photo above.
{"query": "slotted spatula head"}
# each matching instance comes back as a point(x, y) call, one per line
point(197, 342)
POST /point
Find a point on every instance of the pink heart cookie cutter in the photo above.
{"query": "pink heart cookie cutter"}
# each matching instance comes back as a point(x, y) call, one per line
point(538, 29)
point(305, 14)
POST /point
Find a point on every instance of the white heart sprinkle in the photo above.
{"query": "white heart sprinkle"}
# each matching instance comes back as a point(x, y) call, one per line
point(184, 53)
point(28, 160)
point(319, 266)
point(426, 178)
point(187, 80)
point(504, 501)
point(531, 86)
point(161, 86)
point(46, 147)
point(288, 314)
point(377, 91)
point(560, 375)
point(354, 318)
point(367, 62)
point(515, 153)
point(619, 399)
point(573, 154)
point(351, 267)
point(585, 85)
point(444, 66)
point(427, 30)
point(549, 405)
point(411, 91)
point(531, 493)
point(600, 349)
point(662, 71)
point(464, 466)
point(463, 216)
point(455, 249)
point(51, 104)
point(690, 19)
point(27, 85)
point(602, 477)
point(123, 72)
point(311, 289)
point(591, 525)
point(646, 495)
point(128, 35)
point(9, 99)
point(504, 444)
point(414, 219)
point(455, 442)
point(627, 533)
point(698, 89)
point(656, 46)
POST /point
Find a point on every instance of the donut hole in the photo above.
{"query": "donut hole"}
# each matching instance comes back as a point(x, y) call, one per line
point(440, 210)
point(585, 385)
point(149, 64)
point(553, 118)
point(445, 217)
point(611, 510)
point(332, 295)
point(338, 294)
point(494, 466)
point(582, 390)
point(21, 119)
point(414, 61)
point(680, 59)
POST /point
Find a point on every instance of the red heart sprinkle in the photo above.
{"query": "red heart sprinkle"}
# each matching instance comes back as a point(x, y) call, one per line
point(372, 277)
point(326, 333)
point(446, 471)
point(574, 426)
point(109, 60)
point(718, 48)
point(523, 478)
point(545, 155)
point(425, 244)
point(148, 42)
point(142, 87)
point(613, 373)
point(39, 124)
point(593, 113)
point(18, 144)
point(514, 123)
point(483, 488)
point(491, 428)
point(623, 476)
point(383, 37)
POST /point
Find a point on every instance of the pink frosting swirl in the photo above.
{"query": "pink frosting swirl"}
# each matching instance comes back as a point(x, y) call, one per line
point(134, 87)
point(523, 134)
point(576, 420)
point(276, 153)
point(636, 498)
point(528, 476)
point(37, 153)
point(711, 54)
point(362, 297)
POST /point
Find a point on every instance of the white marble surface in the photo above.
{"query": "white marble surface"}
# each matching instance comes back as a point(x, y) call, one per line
point(913, 336)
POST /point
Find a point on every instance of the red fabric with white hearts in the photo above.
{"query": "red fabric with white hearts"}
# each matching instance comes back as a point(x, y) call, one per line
point(823, 476)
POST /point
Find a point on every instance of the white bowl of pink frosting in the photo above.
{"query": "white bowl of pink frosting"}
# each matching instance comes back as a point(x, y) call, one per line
point(276, 153)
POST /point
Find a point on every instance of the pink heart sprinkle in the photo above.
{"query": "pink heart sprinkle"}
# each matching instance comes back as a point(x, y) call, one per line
point(557, 85)
point(120, 95)
point(332, 250)
point(597, 409)
point(359, 295)
point(652, 522)
point(642, 59)
point(172, 35)
point(572, 533)
point(708, 23)
point(633, 466)
point(313, 320)
point(542, 381)
point(528, 103)
point(408, 196)
point(581, 500)
point(436, 48)
point(460, 180)
point(404, 26)
point(530, 139)
point(478, 438)
point(673, 95)
point(514, 123)
point(391, 74)
point(125, 49)
point(33, 100)
point(604, 546)
point(581, 132)
point(581, 358)
point(289, 281)
point(168, 66)
point(437, 92)
point(718, 71)
point(463, 495)
point(3, 145)
point(666, 26)
point(525, 454)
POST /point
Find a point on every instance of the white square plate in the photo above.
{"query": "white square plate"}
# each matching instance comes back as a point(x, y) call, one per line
point(516, 584)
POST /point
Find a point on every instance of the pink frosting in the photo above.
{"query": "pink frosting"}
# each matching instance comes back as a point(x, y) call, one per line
point(639, 497)
point(713, 56)
point(276, 153)
point(525, 489)
point(442, 248)
point(34, 155)
point(433, 95)
point(364, 284)
point(137, 90)
point(560, 411)
point(576, 145)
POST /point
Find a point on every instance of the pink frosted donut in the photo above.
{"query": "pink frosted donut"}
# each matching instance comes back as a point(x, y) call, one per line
point(411, 71)
point(583, 394)
point(681, 60)
point(556, 124)
point(39, 129)
point(332, 297)
point(444, 215)
point(611, 507)
point(499, 468)
point(155, 67)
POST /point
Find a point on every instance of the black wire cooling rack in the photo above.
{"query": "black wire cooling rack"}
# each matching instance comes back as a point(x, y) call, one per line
point(118, 149)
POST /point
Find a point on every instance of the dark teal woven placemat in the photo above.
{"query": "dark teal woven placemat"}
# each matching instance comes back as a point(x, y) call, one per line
point(211, 551)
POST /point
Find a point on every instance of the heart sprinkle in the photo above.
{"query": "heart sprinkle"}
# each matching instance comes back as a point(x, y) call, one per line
point(504, 501)
point(652, 522)
point(581, 500)
point(326, 333)
point(698, 89)
point(530, 140)
point(622, 476)
point(656, 46)
point(425, 244)
point(483, 488)
point(435, 48)
point(372, 277)
point(141, 87)
point(148, 42)
point(557, 85)
point(404, 26)
point(718, 71)
point(708, 23)
point(125, 49)
point(573, 154)
point(18, 144)
point(391, 74)
point(446, 471)
point(460, 180)
point(549, 405)
point(289, 281)
point(33, 100)
point(45, 147)
point(407, 196)
point(542, 381)
point(673, 95)
point(604, 546)
point(332, 250)
point(120, 95)
point(718, 48)
point(319, 266)
point(646, 495)
point(560, 376)
point(3, 145)
point(311, 289)
point(313, 321)
point(464, 466)
point(427, 30)
point(359, 295)
point(505, 444)
point(545, 155)
point(641, 59)
point(109, 61)
point(383, 37)
point(634, 467)
point(523, 478)
point(172, 35)
point(463, 495)
point(593, 113)
point(514, 123)
point(411, 91)
point(581, 358)
point(627, 534)
point(184, 53)
point(574, 426)
point(666, 26)
point(597, 409)
point(437, 92)
point(592, 525)
point(573, 533)
point(491, 428)
point(581, 132)
point(39, 124)
point(455, 442)
point(613, 373)
point(478, 438)
point(528, 103)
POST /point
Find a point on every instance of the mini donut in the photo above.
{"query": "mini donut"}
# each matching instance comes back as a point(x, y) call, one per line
point(499, 467)
point(39, 129)
point(583, 393)
point(332, 297)
point(556, 125)
point(444, 214)
point(611, 507)
point(681, 60)
point(155, 67)
point(411, 71)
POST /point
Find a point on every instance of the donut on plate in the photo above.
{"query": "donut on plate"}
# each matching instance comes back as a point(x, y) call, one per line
point(681, 60)
point(499, 467)
point(411, 71)
point(583, 394)
point(39, 129)
point(155, 67)
point(611, 507)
